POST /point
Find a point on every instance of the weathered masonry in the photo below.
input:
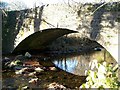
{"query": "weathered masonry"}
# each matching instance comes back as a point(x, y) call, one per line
point(102, 25)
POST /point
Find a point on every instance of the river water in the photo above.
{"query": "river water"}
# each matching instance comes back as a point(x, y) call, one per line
point(72, 69)
point(78, 63)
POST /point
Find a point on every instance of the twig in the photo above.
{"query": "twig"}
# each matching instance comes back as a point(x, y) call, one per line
point(48, 23)
point(4, 12)
point(99, 7)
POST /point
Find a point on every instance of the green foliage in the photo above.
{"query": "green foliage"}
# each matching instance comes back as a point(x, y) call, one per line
point(104, 77)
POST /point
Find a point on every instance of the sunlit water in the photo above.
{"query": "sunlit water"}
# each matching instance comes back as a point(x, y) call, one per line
point(79, 64)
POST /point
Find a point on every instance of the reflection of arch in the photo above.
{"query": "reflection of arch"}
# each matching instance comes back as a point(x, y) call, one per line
point(40, 39)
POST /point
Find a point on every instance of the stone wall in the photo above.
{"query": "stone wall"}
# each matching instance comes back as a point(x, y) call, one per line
point(101, 26)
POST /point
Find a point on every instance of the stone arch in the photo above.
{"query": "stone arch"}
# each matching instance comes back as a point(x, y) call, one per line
point(39, 40)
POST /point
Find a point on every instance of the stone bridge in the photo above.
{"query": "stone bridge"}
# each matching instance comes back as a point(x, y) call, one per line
point(101, 26)
point(39, 40)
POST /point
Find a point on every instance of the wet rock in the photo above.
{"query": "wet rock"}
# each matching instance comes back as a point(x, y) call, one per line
point(34, 80)
point(20, 71)
point(56, 86)
point(52, 68)
point(28, 55)
point(38, 69)
point(25, 87)
point(32, 74)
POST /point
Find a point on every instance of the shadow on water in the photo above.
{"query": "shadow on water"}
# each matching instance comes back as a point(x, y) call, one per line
point(78, 64)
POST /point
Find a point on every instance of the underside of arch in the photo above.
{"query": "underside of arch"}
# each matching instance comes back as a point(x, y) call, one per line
point(39, 40)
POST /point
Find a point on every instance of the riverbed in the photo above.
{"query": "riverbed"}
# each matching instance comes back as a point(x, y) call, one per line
point(60, 70)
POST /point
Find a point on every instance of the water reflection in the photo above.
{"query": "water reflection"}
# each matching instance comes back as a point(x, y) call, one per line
point(68, 64)
point(78, 64)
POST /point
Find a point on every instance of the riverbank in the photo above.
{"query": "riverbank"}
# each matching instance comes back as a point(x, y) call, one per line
point(49, 77)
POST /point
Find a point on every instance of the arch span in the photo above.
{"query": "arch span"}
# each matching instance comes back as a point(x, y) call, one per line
point(101, 26)
point(39, 40)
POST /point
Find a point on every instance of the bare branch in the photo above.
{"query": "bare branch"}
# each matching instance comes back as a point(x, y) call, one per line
point(4, 12)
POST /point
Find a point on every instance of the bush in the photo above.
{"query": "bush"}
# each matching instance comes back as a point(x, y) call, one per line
point(105, 76)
